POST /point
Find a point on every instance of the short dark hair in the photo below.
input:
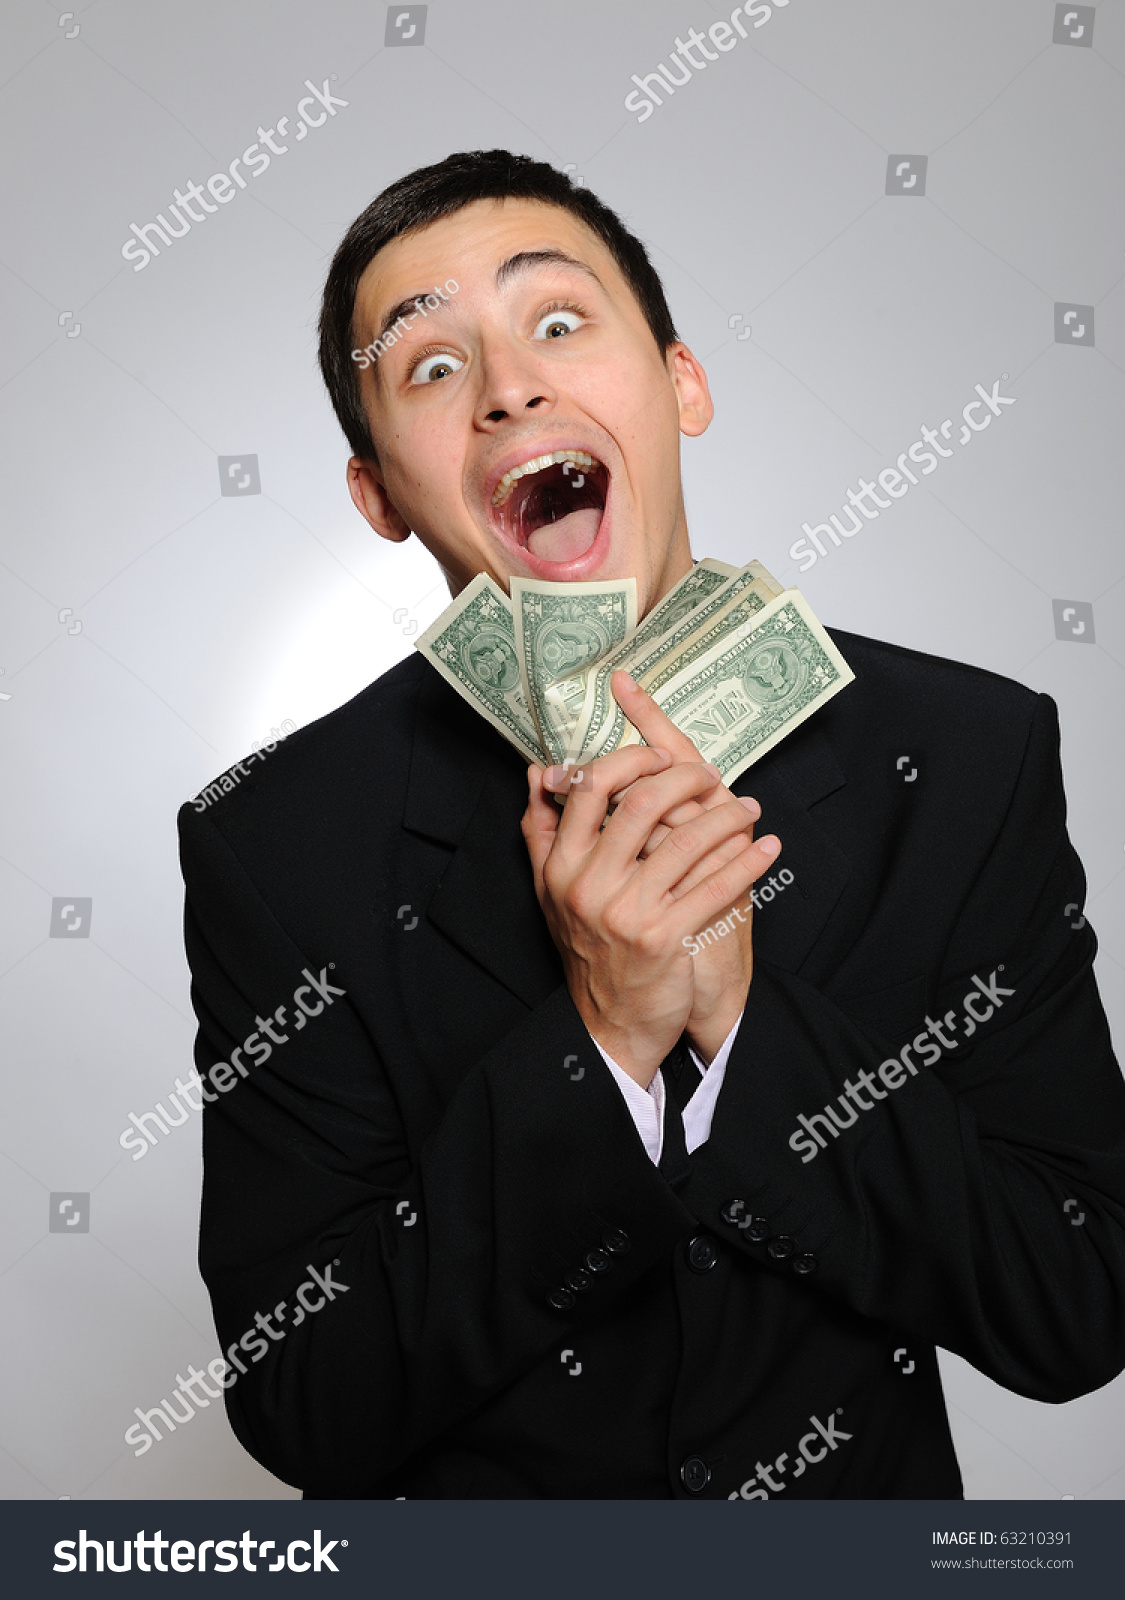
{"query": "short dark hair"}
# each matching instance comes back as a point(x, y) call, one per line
point(426, 196)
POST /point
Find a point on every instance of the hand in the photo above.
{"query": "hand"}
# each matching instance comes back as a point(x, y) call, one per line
point(623, 925)
point(724, 965)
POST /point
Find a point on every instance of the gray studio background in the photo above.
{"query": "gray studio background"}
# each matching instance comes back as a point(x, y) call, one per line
point(154, 628)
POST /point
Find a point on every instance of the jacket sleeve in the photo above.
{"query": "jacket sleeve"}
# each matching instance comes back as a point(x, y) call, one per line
point(977, 1202)
point(424, 1272)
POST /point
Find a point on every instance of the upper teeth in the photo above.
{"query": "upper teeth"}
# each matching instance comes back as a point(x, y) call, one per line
point(537, 463)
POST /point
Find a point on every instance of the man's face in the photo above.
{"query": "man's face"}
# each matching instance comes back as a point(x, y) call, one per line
point(541, 350)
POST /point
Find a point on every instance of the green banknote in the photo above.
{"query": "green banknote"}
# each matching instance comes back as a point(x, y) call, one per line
point(602, 726)
point(473, 645)
point(744, 694)
point(735, 662)
point(562, 630)
point(599, 706)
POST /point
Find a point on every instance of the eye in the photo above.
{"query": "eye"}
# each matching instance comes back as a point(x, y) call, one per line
point(557, 323)
point(432, 368)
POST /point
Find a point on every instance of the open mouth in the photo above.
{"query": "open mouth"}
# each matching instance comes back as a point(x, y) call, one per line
point(552, 505)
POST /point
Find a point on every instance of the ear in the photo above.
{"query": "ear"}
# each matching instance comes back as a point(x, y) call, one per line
point(371, 500)
point(693, 395)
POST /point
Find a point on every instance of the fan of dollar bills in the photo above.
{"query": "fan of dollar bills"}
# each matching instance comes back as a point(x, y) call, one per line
point(734, 660)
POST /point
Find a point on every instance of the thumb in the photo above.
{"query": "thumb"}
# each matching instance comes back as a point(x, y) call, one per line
point(539, 824)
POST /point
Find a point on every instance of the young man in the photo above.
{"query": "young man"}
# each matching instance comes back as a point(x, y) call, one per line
point(593, 1208)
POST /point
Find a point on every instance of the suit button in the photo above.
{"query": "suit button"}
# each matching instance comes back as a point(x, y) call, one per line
point(560, 1300)
point(701, 1254)
point(805, 1264)
point(615, 1241)
point(781, 1247)
point(758, 1230)
point(597, 1261)
point(578, 1280)
point(732, 1212)
point(695, 1475)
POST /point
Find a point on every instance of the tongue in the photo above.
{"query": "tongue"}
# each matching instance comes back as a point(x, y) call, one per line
point(568, 538)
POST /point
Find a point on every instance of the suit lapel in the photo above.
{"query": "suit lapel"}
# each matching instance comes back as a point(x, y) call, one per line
point(787, 783)
point(467, 790)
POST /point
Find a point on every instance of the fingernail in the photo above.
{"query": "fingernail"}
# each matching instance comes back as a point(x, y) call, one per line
point(709, 766)
point(770, 846)
point(629, 679)
point(554, 775)
point(751, 804)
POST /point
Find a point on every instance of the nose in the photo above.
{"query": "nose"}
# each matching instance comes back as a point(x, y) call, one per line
point(511, 385)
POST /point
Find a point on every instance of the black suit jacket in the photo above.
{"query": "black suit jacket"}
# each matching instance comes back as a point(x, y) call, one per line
point(447, 1134)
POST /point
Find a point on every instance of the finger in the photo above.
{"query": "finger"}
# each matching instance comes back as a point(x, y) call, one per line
point(539, 824)
point(709, 899)
point(689, 844)
point(718, 796)
point(695, 808)
point(655, 839)
point(654, 725)
point(587, 798)
point(719, 857)
point(618, 770)
point(684, 813)
point(628, 829)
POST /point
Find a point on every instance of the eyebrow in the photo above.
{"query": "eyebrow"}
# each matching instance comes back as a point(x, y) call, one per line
point(524, 261)
point(409, 308)
point(527, 260)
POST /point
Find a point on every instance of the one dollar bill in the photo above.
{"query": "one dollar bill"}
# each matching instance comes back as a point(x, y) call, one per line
point(600, 712)
point(562, 630)
point(748, 691)
point(473, 645)
point(735, 662)
point(603, 727)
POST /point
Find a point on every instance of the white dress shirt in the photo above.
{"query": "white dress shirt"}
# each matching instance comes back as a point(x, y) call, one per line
point(647, 1105)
